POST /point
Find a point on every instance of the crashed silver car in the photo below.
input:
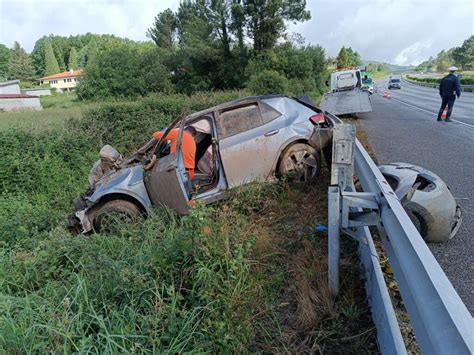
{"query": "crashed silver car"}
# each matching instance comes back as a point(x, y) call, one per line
point(255, 138)
point(426, 199)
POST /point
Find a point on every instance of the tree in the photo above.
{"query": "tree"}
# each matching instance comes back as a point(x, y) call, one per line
point(91, 53)
point(343, 59)
point(163, 31)
point(464, 55)
point(20, 66)
point(51, 64)
point(72, 61)
point(265, 19)
point(4, 59)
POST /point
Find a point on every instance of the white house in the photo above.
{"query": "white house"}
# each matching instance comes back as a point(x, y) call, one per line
point(65, 81)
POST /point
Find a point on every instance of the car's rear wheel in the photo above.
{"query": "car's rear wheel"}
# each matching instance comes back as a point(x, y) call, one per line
point(300, 162)
point(108, 216)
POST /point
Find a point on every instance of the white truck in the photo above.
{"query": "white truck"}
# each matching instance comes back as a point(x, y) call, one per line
point(347, 95)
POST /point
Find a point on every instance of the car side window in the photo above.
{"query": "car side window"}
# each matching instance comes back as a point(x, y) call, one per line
point(239, 120)
point(268, 112)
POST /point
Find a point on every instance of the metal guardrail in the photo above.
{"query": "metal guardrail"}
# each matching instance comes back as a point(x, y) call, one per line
point(440, 320)
point(467, 88)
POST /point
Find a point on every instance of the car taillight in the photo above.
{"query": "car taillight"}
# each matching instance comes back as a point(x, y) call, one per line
point(317, 118)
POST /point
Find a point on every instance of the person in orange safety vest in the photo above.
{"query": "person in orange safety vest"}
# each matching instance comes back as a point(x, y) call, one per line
point(188, 146)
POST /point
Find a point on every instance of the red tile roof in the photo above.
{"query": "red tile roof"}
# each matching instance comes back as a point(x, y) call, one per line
point(64, 74)
point(16, 96)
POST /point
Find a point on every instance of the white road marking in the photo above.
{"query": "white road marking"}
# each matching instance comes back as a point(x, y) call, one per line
point(430, 112)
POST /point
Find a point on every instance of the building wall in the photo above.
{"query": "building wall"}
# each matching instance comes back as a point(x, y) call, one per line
point(10, 89)
point(63, 84)
point(32, 103)
point(36, 92)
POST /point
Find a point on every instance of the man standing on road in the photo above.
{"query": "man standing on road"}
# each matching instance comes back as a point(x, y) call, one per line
point(448, 86)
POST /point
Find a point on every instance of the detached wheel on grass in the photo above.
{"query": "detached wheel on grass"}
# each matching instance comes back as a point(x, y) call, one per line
point(105, 217)
point(301, 162)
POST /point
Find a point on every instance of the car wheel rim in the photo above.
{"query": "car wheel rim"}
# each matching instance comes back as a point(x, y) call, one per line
point(302, 164)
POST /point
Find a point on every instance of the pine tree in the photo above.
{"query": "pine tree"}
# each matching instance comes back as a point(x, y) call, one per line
point(20, 66)
point(92, 53)
point(51, 64)
point(72, 62)
point(343, 59)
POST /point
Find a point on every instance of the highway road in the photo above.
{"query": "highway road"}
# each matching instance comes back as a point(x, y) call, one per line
point(404, 129)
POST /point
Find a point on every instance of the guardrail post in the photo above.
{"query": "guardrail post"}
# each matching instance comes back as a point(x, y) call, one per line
point(341, 180)
point(334, 239)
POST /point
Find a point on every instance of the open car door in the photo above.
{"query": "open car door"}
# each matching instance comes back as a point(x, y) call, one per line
point(166, 183)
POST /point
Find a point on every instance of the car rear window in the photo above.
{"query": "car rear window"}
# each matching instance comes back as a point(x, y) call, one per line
point(239, 120)
point(268, 112)
point(395, 80)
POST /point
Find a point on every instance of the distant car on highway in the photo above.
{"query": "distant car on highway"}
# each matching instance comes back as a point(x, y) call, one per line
point(255, 138)
point(394, 83)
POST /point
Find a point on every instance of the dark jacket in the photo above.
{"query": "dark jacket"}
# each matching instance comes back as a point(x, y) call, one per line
point(448, 85)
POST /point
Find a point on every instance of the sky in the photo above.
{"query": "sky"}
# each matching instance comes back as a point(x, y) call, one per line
point(395, 31)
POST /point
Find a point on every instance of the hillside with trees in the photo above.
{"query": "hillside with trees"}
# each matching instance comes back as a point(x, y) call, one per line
point(461, 57)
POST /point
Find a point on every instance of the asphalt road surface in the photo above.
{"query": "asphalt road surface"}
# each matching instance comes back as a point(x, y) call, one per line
point(404, 129)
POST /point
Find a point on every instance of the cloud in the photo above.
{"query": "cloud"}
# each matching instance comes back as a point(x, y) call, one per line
point(395, 31)
point(402, 32)
point(28, 20)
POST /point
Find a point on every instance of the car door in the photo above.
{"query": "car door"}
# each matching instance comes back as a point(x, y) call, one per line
point(249, 141)
point(167, 182)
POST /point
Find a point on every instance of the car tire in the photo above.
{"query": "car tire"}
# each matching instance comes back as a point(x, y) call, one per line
point(300, 162)
point(105, 216)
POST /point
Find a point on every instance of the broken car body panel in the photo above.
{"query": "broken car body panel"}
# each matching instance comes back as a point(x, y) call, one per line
point(427, 200)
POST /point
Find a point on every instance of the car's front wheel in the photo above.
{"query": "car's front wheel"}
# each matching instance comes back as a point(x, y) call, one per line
point(300, 162)
point(107, 216)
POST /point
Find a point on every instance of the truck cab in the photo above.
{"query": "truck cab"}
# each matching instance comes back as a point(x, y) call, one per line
point(347, 79)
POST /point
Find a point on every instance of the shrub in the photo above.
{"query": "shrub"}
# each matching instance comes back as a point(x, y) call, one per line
point(268, 82)
point(125, 72)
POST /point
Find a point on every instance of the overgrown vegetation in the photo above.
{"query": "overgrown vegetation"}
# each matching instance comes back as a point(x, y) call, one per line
point(465, 80)
point(245, 275)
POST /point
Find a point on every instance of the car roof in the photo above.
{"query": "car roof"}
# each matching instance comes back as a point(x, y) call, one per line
point(233, 103)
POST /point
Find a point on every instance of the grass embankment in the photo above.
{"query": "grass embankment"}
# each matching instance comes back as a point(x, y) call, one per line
point(248, 274)
point(466, 78)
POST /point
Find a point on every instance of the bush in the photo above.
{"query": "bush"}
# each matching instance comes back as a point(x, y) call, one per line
point(125, 72)
point(466, 80)
point(268, 82)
